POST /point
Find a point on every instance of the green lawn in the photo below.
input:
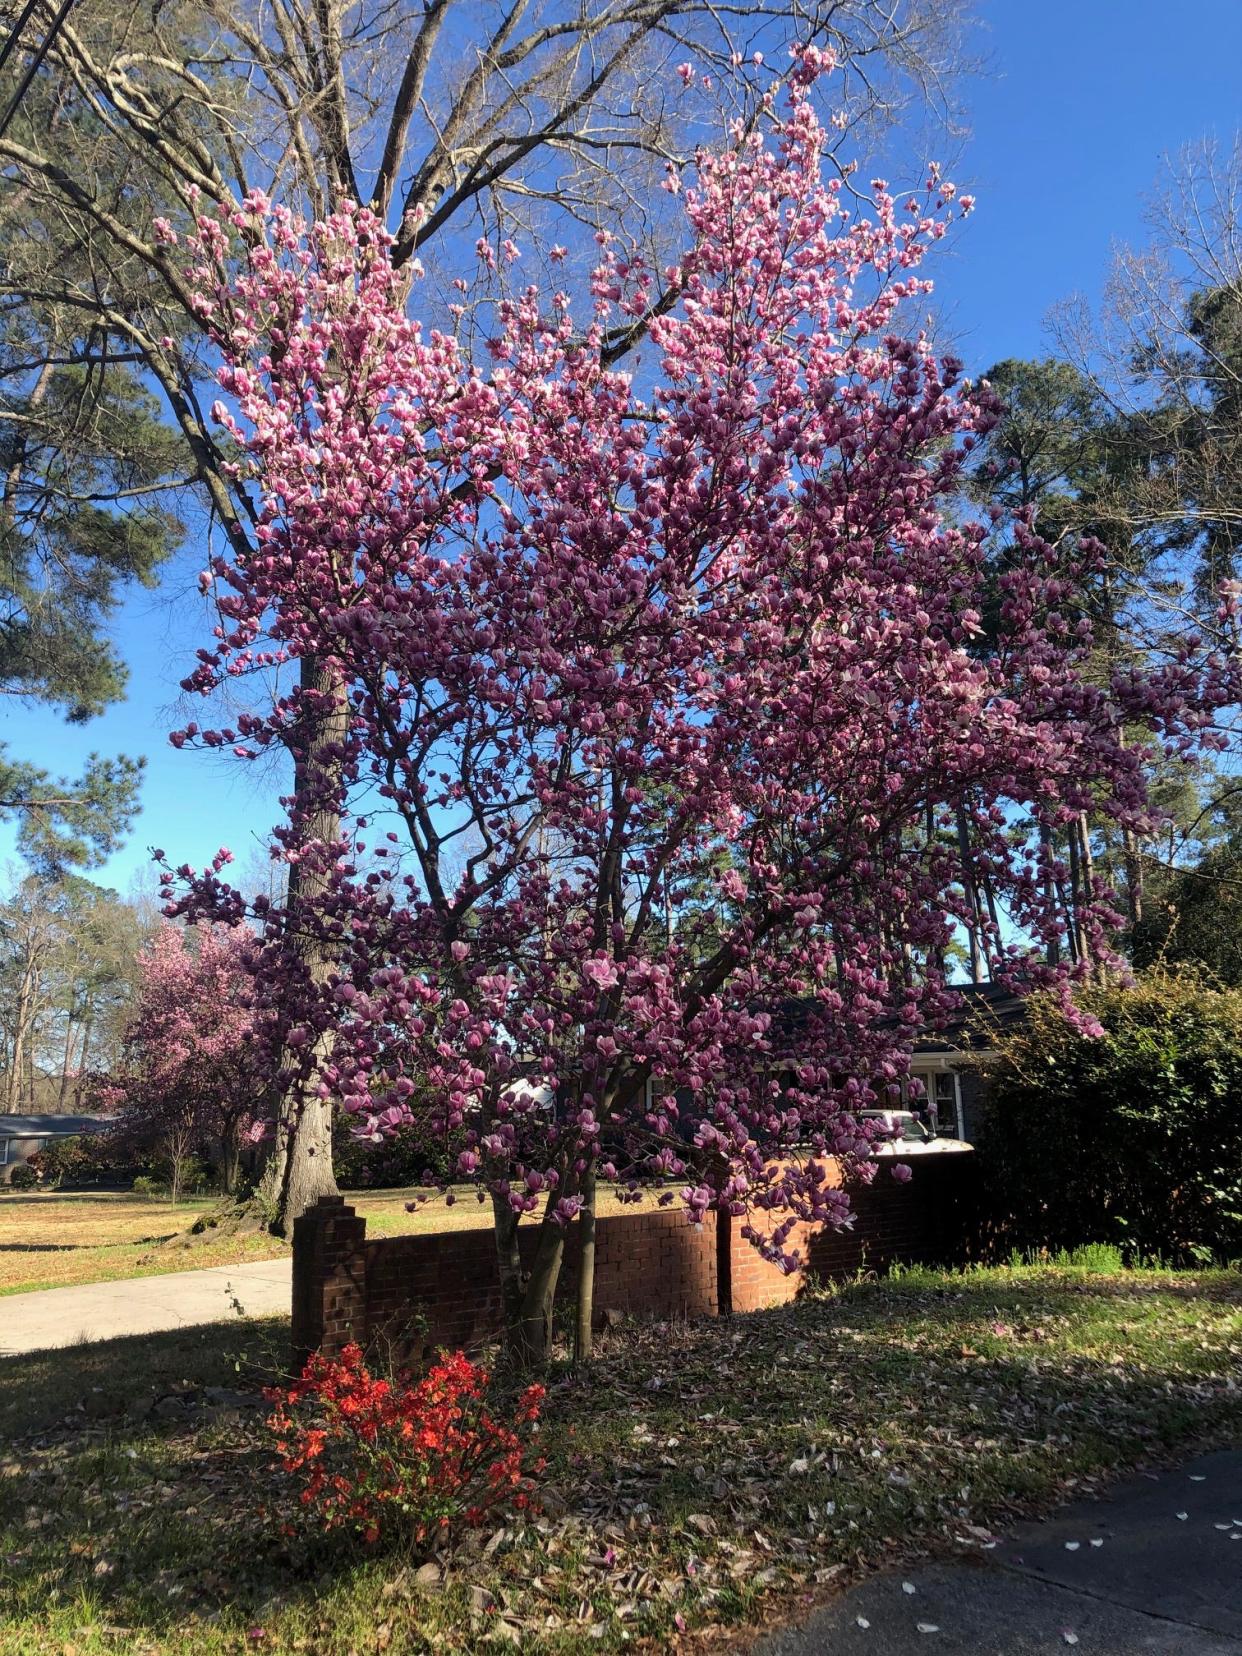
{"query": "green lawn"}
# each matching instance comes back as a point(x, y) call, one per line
point(715, 1474)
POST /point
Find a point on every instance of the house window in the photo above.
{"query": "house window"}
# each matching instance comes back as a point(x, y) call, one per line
point(942, 1098)
point(944, 1094)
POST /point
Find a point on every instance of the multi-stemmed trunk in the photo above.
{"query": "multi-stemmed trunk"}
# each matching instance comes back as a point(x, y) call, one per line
point(528, 1299)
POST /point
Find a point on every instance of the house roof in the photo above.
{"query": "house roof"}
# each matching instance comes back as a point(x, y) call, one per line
point(50, 1126)
point(982, 1012)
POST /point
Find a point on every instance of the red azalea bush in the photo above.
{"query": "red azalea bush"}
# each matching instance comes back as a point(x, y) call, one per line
point(426, 1457)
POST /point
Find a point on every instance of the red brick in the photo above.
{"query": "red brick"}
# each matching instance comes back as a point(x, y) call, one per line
point(647, 1263)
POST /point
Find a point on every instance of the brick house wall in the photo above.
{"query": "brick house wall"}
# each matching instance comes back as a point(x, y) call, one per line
point(410, 1295)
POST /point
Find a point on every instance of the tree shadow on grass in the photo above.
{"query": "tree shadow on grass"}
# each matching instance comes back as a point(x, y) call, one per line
point(86, 1196)
point(40, 1392)
point(133, 1471)
point(155, 1518)
point(77, 1247)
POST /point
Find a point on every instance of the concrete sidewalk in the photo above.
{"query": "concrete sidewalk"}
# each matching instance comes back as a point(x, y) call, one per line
point(52, 1317)
point(1150, 1570)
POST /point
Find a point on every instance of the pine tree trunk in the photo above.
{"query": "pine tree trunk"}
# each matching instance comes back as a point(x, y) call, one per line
point(1079, 877)
point(1075, 891)
point(66, 1061)
point(1134, 877)
point(586, 1270)
point(971, 892)
point(1086, 865)
point(21, 1039)
point(88, 1031)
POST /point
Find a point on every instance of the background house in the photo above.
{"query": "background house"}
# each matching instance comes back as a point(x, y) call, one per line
point(945, 1060)
point(22, 1136)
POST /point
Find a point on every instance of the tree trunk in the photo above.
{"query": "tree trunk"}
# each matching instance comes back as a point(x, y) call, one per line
point(530, 1339)
point(1134, 877)
point(1132, 862)
point(88, 1031)
point(21, 1041)
point(230, 1162)
point(527, 1301)
point(508, 1259)
point(13, 1090)
point(66, 1061)
point(176, 1156)
point(971, 892)
point(299, 1171)
point(1086, 868)
point(586, 1269)
point(1066, 901)
point(1078, 889)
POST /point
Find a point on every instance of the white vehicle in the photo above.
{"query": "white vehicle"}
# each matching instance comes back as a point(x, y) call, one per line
point(911, 1137)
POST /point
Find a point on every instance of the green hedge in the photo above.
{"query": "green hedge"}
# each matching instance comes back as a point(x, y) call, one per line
point(1132, 1138)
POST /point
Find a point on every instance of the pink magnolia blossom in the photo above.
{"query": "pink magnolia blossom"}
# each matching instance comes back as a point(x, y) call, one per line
point(192, 1072)
point(673, 685)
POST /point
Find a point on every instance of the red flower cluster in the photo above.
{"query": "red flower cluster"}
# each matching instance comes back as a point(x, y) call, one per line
point(427, 1457)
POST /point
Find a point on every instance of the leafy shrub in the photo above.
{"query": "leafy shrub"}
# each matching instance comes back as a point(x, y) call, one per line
point(195, 1176)
point(60, 1159)
point(404, 1159)
point(1132, 1139)
point(24, 1177)
point(192, 1178)
point(82, 1159)
point(423, 1459)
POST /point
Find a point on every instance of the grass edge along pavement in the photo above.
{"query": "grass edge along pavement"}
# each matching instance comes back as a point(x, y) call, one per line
point(706, 1477)
point(1143, 1564)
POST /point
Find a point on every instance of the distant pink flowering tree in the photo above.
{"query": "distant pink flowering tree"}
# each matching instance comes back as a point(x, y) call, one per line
point(192, 1073)
point(668, 693)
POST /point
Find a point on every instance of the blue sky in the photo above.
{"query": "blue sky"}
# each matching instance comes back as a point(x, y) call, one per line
point(1080, 103)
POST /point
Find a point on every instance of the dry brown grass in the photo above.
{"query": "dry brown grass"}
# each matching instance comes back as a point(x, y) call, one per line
point(385, 1210)
point(54, 1239)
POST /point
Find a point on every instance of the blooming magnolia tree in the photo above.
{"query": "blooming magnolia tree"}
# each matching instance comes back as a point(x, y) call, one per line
point(192, 1074)
point(664, 696)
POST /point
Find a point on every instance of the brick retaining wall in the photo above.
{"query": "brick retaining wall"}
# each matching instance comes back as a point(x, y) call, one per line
point(413, 1294)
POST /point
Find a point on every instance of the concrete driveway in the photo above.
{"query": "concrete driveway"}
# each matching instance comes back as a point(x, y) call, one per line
point(1149, 1570)
point(52, 1317)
